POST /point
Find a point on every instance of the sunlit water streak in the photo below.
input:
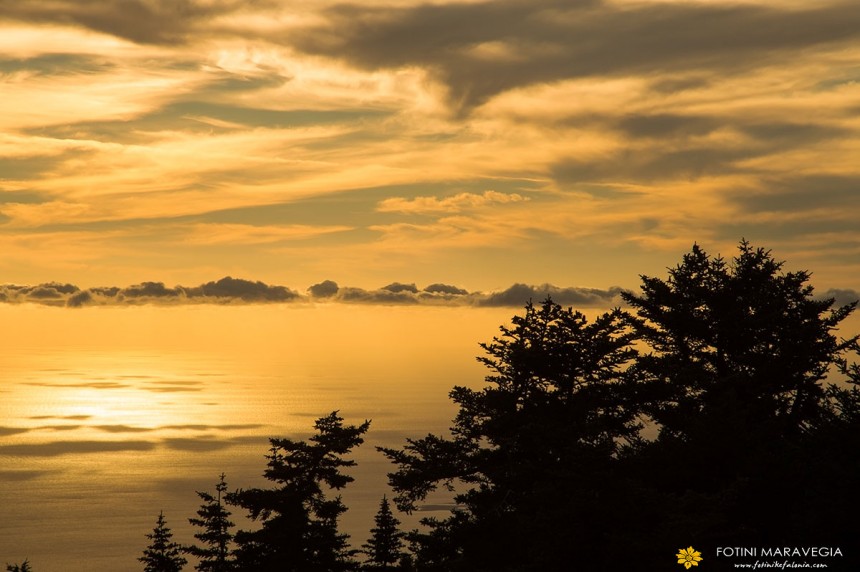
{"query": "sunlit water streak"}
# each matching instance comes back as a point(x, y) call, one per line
point(108, 416)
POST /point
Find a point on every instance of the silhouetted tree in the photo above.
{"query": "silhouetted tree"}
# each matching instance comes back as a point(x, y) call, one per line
point(214, 519)
point(299, 524)
point(740, 338)
point(162, 554)
point(735, 380)
point(384, 548)
point(23, 567)
point(749, 442)
point(528, 452)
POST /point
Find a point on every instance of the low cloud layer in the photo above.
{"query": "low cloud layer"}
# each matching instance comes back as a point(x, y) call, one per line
point(475, 140)
point(224, 291)
point(238, 291)
point(842, 296)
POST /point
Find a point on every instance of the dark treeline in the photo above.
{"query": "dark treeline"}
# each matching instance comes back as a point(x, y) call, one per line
point(722, 410)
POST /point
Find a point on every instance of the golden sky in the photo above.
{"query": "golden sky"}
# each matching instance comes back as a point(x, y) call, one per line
point(469, 143)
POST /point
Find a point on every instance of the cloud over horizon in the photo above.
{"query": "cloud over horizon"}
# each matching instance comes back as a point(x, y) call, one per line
point(582, 141)
point(238, 291)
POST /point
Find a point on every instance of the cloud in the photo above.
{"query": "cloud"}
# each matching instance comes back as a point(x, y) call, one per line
point(223, 291)
point(179, 140)
point(205, 444)
point(173, 386)
point(68, 417)
point(44, 293)
point(19, 475)
point(122, 428)
point(804, 193)
point(6, 431)
point(841, 296)
point(245, 290)
point(149, 22)
point(399, 287)
point(51, 293)
point(395, 293)
point(445, 289)
point(448, 295)
point(481, 49)
point(456, 203)
point(380, 296)
point(324, 289)
point(150, 290)
point(204, 427)
point(519, 294)
point(79, 299)
point(202, 443)
point(84, 384)
point(229, 290)
point(58, 448)
point(58, 427)
point(232, 234)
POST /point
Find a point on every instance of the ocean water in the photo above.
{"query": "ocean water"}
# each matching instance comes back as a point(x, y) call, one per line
point(110, 415)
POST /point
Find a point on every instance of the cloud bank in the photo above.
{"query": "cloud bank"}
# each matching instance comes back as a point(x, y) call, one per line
point(371, 138)
point(230, 290)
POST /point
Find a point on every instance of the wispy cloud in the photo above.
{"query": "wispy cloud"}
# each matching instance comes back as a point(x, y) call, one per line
point(157, 22)
point(456, 203)
point(240, 234)
point(481, 49)
point(490, 142)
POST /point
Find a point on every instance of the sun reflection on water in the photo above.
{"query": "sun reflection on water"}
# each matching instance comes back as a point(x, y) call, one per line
point(108, 416)
point(79, 395)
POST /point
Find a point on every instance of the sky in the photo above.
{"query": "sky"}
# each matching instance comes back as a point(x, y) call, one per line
point(469, 144)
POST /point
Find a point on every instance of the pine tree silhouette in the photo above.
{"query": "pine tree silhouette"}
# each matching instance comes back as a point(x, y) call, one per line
point(385, 547)
point(299, 523)
point(162, 554)
point(215, 536)
point(23, 567)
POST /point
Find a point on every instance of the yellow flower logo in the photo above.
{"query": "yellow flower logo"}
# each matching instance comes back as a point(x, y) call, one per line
point(689, 557)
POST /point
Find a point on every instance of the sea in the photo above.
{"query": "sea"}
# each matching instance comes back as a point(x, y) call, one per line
point(112, 415)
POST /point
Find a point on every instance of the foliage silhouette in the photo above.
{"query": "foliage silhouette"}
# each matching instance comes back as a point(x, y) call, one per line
point(214, 519)
point(736, 382)
point(722, 411)
point(162, 554)
point(529, 449)
point(23, 567)
point(384, 549)
point(700, 417)
point(743, 334)
point(299, 531)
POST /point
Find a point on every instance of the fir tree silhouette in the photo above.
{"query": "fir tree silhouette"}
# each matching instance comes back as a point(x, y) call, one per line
point(162, 554)
point(384, 549)
point(215, 538)
point(299, 522)
point(23, 567)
